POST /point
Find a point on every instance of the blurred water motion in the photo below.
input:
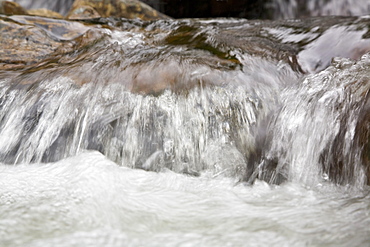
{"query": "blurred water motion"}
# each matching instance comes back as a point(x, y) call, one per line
point(193, 132)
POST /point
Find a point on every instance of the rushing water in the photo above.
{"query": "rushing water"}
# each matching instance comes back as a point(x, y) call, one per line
point(189, 133)
point(303, 8)
point(87, 200)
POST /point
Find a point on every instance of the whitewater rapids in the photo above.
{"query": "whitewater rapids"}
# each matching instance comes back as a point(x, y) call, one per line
point(87, 200)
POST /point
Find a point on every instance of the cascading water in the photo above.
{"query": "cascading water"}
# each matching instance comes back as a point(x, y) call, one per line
point(289, 9)
point(211, 117)
point(301, 142)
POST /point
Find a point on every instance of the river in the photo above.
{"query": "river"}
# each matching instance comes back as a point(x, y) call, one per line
point(193, 132)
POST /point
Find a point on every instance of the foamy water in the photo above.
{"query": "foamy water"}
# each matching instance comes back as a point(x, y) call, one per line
point(87, 200)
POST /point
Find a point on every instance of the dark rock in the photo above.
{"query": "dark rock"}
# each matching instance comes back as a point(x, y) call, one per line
point(362, 136)
point(250, 9)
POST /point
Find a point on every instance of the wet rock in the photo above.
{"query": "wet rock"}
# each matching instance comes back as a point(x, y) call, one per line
point(31, 40)
point(59, 6)
point(45, 13)
point(130, 9)
point(216, 43)
point(23, 44)
point(11, 8)
point(83, 12)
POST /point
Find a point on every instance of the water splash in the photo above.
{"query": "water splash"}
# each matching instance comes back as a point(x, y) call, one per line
point(89, 200)
point(54, 119)
point(293, 9)
point(180, 95)
point(314, 135)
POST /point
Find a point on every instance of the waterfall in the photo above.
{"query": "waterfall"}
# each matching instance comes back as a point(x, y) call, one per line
point(291, 9)
point(316, 131)
point(192, 105)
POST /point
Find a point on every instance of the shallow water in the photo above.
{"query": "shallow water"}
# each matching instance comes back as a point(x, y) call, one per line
point(87, 200)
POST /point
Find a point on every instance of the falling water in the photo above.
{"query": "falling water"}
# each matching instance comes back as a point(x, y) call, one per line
point(289, 9)
point(185, 133)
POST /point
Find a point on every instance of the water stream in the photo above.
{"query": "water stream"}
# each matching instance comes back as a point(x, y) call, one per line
point(189, 133)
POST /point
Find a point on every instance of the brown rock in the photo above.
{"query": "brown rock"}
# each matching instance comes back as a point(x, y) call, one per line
point(83, 12)
point(30, 40)
point(130, 9)
point(45, 13)
point(11, 8)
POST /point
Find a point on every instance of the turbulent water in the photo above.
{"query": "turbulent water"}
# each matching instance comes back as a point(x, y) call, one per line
point(303, 8)
point(87, 200)
point(190, 133)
